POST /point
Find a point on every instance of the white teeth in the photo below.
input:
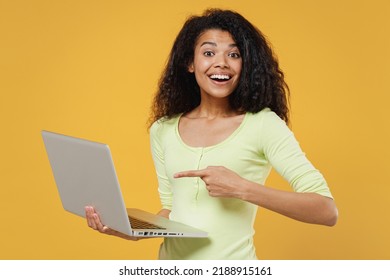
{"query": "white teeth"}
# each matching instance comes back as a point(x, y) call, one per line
point(220, 77)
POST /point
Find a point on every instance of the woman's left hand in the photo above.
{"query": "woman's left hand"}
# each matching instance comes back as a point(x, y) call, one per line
point(220, 181)
point(306, 207)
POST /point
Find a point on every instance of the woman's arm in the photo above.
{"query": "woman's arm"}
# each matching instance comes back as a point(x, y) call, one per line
point(304, 207)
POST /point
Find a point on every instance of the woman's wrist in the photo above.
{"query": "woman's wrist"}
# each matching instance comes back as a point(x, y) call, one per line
point(247, 190)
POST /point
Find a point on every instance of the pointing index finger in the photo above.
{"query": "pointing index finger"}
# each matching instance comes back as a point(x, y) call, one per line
point(190, 173)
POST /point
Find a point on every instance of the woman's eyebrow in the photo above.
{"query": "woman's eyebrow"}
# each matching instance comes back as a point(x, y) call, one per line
point(209, 43)
point(215, 44)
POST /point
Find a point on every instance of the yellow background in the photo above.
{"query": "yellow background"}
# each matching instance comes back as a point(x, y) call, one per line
point(90, 68)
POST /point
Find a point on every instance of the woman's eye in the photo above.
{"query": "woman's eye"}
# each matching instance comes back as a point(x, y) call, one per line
point(208, 53)
point(234, 55)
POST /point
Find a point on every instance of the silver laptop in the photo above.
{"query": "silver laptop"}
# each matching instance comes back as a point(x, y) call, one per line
point(85, 175)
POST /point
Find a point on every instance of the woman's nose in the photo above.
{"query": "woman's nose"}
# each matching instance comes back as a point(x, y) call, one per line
point(221, 61)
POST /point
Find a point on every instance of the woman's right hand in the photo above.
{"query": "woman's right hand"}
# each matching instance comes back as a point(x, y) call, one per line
point(95, 223)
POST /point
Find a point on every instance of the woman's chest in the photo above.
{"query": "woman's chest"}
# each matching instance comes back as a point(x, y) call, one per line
point(202, 132)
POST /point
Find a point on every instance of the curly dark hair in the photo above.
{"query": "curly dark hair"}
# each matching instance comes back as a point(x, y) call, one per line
point(261, 81)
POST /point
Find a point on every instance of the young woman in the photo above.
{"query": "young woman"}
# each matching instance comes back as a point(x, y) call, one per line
point(218, 126)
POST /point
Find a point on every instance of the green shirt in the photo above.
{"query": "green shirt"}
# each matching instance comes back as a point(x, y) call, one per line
point(261, 141)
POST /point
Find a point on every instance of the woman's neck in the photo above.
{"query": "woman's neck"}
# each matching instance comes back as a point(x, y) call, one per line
point(213, 109)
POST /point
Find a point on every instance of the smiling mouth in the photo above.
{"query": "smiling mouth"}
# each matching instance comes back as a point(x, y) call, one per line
point(220, 77)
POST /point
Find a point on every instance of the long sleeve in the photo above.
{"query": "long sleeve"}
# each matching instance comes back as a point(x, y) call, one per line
point(164, 187)
point(283, 152)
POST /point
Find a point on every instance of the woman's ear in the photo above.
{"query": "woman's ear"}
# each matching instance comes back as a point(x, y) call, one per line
point(191, 68)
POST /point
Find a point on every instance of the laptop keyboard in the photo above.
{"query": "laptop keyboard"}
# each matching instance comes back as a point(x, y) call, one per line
point(138, 224)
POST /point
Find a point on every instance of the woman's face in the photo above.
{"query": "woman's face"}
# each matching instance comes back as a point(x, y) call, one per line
point(217, 64)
